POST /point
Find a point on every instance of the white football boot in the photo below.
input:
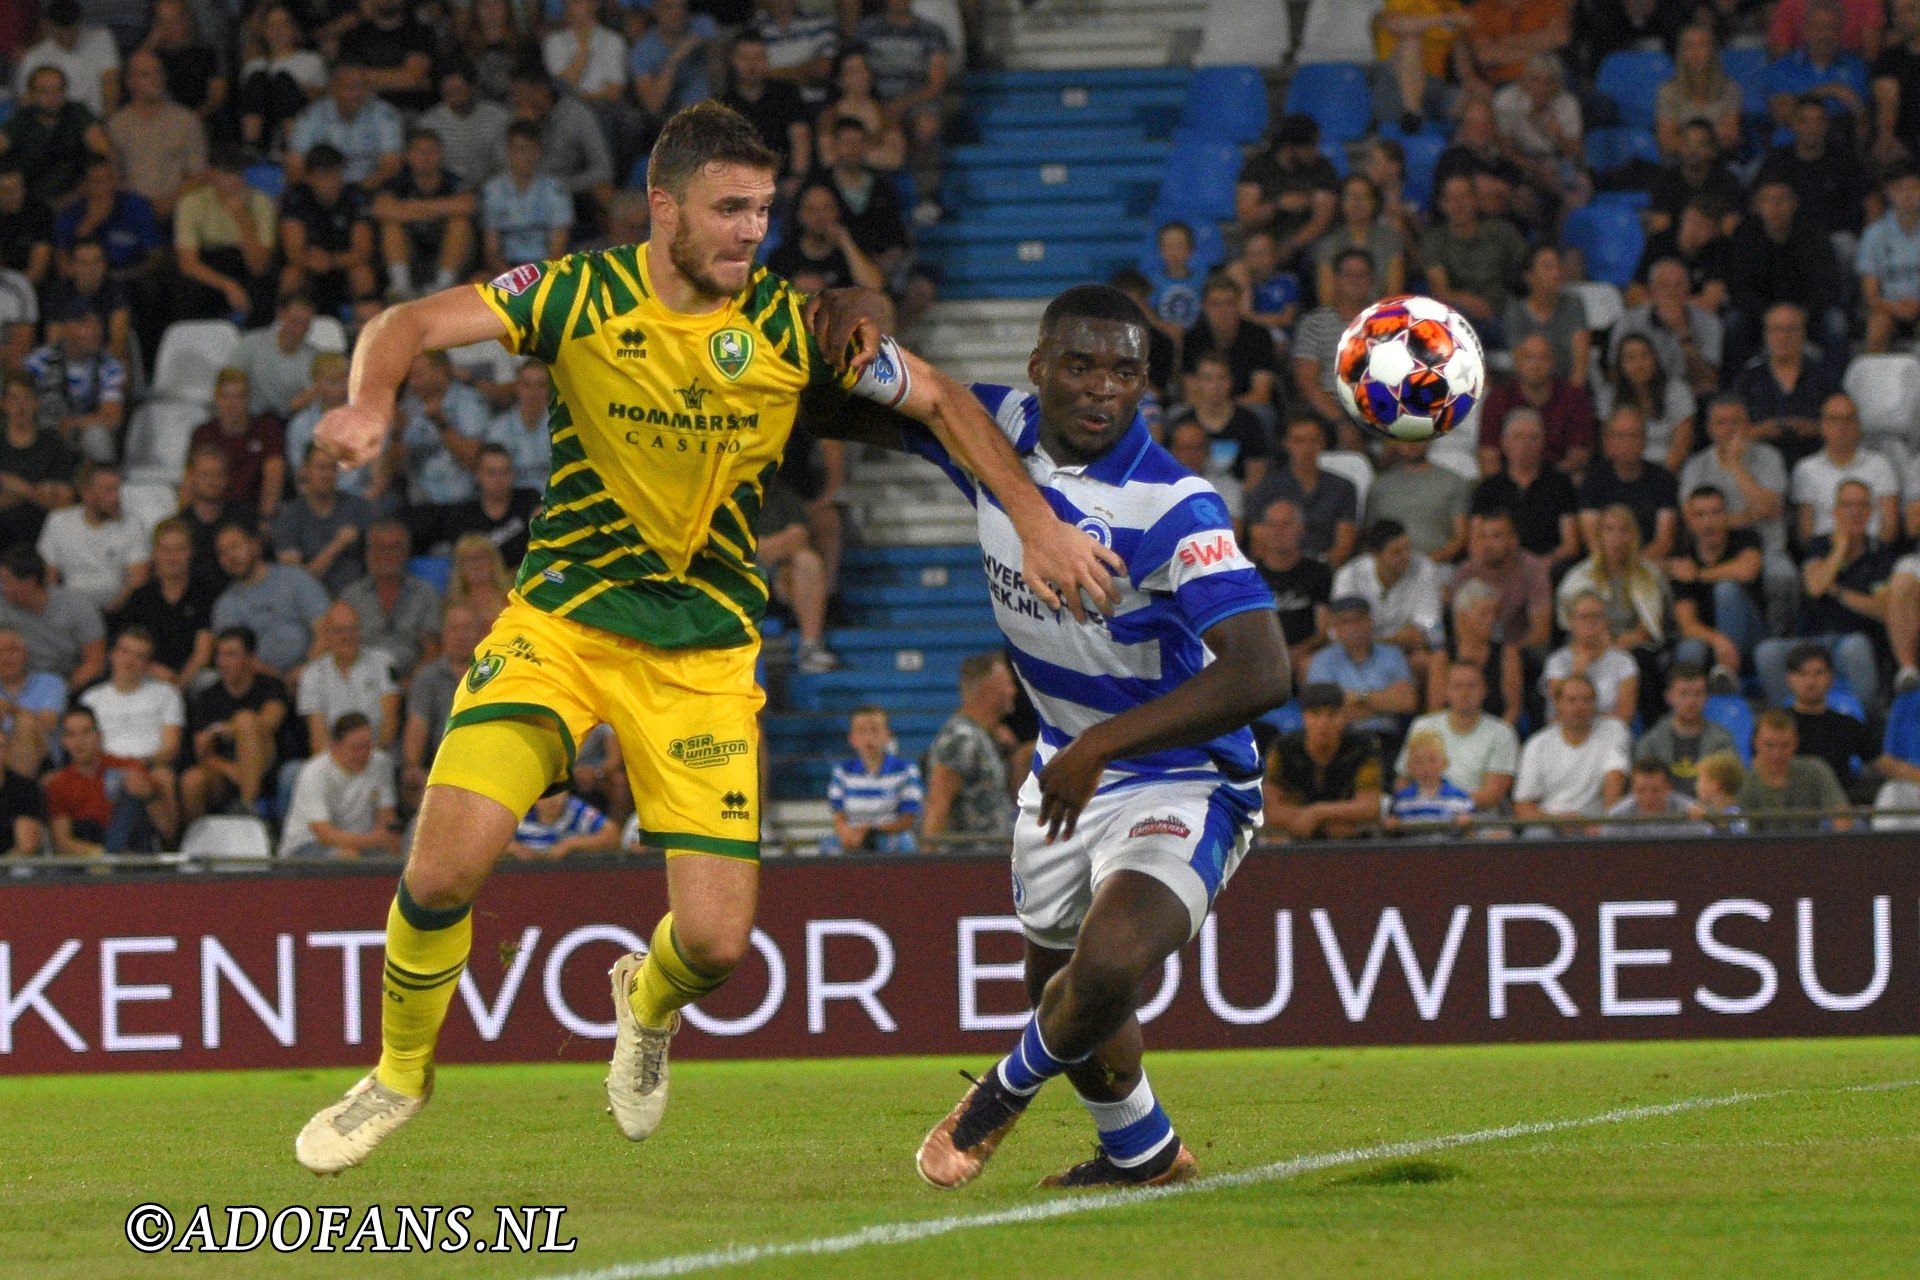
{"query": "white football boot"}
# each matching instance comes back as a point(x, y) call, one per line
point(346, 1133)
point(637, 1082)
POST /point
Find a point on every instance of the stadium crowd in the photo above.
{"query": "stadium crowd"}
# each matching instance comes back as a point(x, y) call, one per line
point(1663, 575)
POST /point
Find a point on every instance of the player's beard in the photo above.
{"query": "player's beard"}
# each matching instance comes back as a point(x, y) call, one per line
point(686, 259)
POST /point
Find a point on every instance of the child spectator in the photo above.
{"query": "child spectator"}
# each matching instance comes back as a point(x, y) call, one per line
point(875, 795)
point(1722, 778)
point(561, 824)
point(1175, 281)
point(1271, 293)
point(1428, 796)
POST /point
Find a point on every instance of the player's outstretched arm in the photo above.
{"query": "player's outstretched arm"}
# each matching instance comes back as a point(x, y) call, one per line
point(1249, 676)
point(1058, 561)
point(357, 431)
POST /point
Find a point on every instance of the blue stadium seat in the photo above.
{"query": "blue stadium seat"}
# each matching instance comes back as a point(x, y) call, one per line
point(1200, 179)
point(1631, 78)
point(1612, 148)
point(1423, 156)
point(1731, 712)
point(1843, 699)
point(435, 569)
point(1748, 69)
point(1337, 94)
point(1226, 102)
point(1608, 234)
point(268, 179)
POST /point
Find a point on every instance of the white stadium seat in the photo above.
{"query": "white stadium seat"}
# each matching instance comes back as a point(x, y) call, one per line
point(157, 437)
point(1339, 31)
point(229, 838)
point(191, 353)
point(1887, 391)
point(148, 503)
point(1602, 301)
point(328, 334)
point(1238, 34)
point(1355, 467)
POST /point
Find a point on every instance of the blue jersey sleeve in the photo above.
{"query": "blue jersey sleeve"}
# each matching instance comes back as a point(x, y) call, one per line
point(1016, 413)
point(1191, 554)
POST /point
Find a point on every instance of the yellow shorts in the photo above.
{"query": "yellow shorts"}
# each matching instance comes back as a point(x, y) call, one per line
point(687, 720)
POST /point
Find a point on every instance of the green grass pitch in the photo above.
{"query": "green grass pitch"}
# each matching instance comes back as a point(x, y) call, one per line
point(1809, 1174)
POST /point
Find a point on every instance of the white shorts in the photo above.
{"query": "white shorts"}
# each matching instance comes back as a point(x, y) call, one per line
point(1188, 835)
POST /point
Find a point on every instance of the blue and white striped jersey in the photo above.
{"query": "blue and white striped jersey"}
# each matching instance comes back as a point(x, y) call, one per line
point(577, 818)
point(864, 799)
point(1184, 574)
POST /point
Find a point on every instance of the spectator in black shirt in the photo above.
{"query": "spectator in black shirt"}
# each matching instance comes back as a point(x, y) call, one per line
point(426, 221)
point(1543, 501)
point(192, 67)
point(1896, 86)
point(820, 243)
point(1840, 739)
point(1324, 780)
point(36, 467)
point(1715, 571)
point(26, 226)
point(175, 607)
point(772, 107)
point(84, 285)
point(1777, 256)
point(1301, 585)
point(50, 137)
point(1234, 434)
point(1699, 171)
point(398, 51)
point(869, 202)
point(236, 730)
point(1784, 386)
point(500, 511)
point(1844, 579)
point(1823, 169)
point(326, 232)
point(1622, 475)
point(1289, 189)
point(205, 507)
point(1696, 243)
point(1247, 346)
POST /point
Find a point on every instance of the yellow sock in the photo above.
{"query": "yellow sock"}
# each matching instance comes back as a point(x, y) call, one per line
point(667, 980)
point(426, 950)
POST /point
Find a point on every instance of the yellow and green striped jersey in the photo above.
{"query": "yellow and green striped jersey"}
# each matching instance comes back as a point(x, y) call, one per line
point(666, 428)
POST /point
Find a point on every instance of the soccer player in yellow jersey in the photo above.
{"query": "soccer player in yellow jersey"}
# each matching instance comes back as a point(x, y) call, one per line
point(677, 372)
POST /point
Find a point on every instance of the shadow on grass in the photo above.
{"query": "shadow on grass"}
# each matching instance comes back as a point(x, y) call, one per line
point(1395, 1173)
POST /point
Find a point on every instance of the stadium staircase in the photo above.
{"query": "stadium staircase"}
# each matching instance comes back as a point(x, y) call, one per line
point(1070, 157)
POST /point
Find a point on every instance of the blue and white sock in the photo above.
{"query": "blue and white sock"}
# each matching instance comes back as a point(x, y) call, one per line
point(1031, 1064)
point(1133, 1130)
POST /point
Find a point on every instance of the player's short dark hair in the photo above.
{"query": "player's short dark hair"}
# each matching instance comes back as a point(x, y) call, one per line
point(1129, 280)
point(326, 157)
point(347, 723)
point(253, 534)
point(1685, 671)
point(244, 634)
point(138, 632)
point(1220, 281)
point(528, 130)
point(866, 709)
point(703, 134)
point(1380, 533)
point(1495, 510)
point(1778, 719)
point(1652, 767)
point(1174, 225)
point(22, 560)
point(421, 131)
point(228, 157)
point(1214, 356)
point(1091, 302)
point(79, 709)
point(1808, 651)
point(849, 124)
point(1706, 491)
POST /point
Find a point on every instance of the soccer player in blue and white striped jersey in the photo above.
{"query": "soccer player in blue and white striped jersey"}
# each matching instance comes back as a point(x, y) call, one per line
point(1147, 785)
point(875, 795)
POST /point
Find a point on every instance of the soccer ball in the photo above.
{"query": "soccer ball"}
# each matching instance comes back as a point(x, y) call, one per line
point(1410, 368)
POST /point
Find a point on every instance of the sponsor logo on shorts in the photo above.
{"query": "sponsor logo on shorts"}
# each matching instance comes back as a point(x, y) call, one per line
point(518, 280)
point(732, 351)
point(704, 751)
point(734, 805)
point(1159, 827)
point(484, 669)
point(1019, 891)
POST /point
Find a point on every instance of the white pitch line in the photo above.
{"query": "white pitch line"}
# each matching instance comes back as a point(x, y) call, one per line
point(907, 1232)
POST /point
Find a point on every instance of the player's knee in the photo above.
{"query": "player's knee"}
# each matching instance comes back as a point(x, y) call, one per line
point(713, 949)
point(1104, 982)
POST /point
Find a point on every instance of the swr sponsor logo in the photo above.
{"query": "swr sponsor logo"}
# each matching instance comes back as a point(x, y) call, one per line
point(1218, 551)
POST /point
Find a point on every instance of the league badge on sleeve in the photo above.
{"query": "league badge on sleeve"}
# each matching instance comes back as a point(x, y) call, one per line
point(518, 280)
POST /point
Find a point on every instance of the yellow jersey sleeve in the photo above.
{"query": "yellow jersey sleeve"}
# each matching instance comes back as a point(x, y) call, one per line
point(539, 302)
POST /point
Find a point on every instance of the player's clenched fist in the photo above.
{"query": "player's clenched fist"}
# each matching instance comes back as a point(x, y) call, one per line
point(353, 433)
